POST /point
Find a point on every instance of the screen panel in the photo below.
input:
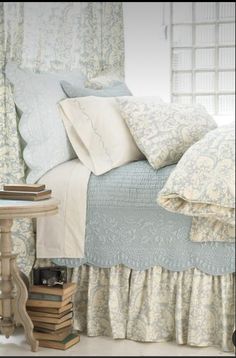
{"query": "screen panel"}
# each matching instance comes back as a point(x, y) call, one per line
point(203, 55)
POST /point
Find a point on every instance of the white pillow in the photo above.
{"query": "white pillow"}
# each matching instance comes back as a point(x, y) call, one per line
point(36, 96)
point(164, 131)
point(98, 133)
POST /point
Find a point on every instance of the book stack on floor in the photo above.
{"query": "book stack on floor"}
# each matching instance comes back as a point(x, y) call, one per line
point(50, 309)
point(25, 192)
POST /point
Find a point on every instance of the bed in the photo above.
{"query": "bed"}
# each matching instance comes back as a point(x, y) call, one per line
point(140, 263)
point(139, 275)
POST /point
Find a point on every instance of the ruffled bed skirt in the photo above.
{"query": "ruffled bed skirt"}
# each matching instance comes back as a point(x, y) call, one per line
point(155, 305)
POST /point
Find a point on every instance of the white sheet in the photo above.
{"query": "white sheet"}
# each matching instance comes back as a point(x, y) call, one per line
point(63, 234)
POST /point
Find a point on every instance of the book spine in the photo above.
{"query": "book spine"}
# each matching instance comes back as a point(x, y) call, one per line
point(45, 297)
point(24, 187)
point(51, 320)
point(53, 326)
point(25, 193)
point(24, 197)
point(52, 290)
point(48, 304)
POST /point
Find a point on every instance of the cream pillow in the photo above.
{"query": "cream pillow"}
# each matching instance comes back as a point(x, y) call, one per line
point(98, 134)
point(164, 131)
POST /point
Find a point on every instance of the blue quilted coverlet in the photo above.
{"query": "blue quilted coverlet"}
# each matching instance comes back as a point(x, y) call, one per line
point(126, 226)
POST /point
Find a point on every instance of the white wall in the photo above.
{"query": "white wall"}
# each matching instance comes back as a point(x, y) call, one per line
point(147, 52)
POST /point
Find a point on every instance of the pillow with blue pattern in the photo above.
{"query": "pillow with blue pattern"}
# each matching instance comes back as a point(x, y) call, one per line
point(117, 89)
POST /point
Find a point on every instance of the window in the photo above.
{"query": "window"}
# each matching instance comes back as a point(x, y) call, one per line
point(203, 55)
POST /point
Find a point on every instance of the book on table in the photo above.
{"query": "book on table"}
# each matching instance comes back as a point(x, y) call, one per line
point(24, 187)
point(46, 334)
point(66, 343)
point(25, 195)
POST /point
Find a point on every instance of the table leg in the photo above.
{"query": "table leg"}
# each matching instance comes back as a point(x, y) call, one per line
point(21, 315)
point(10, 274)
point(6, 323)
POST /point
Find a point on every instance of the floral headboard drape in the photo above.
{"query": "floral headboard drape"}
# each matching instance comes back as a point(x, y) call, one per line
point(51, 36)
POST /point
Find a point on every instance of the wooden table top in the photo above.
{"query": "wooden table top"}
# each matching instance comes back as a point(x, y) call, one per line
point(10, 209)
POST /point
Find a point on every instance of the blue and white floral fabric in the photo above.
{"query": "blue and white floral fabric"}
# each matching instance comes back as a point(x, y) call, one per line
point(155, 305)
point(203, 186)
point(164, 131)
point(50, 36)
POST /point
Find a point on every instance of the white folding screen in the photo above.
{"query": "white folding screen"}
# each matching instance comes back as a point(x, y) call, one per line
point(203, 55)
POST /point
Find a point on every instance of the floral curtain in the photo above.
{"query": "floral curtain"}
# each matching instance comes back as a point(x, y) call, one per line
point(51, 36)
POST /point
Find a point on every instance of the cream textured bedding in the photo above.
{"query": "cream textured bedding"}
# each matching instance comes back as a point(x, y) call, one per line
point(203, 186)
point(98, 133)
point(63, 235)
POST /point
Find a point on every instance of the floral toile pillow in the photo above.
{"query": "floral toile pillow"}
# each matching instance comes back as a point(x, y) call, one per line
point(118, 89)
point(105, 78)
point(164, 131)
point(202, 185)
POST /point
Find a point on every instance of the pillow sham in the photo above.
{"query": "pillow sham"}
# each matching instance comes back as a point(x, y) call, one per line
point(105, 78)
point(36, 96)
point(164, 131)
point(117, 89)
point(98, 133)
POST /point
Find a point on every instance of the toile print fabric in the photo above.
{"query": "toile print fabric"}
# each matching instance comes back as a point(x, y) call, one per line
point(11, 161)
point(203, 186)
point(155, 305)
point(56, 36)
point(164, 131)
point(202, 305)
point(51, 36)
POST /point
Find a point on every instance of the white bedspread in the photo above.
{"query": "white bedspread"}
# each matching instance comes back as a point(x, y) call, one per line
point(63, 235)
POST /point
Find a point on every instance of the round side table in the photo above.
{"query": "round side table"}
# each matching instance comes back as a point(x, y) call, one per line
point(10, 276)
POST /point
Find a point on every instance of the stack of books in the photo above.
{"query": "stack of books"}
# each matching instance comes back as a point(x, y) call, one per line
point(50, 309)
point(25, 192)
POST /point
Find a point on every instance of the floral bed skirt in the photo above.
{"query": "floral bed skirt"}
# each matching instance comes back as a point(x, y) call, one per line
point(155, 305)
